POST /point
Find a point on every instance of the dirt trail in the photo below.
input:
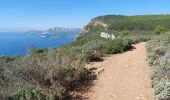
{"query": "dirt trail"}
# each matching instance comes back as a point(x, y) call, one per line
point(125, 77)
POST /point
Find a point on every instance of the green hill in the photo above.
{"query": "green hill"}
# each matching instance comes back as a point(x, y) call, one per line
point(140, 22)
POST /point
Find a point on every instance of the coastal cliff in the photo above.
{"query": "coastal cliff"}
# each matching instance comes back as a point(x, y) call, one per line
point(93, 23)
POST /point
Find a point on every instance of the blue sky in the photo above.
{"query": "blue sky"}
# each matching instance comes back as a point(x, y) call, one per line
point(20, 15)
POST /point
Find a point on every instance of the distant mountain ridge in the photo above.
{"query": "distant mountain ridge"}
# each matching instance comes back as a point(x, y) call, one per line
point(59, 29)
point(57, 32)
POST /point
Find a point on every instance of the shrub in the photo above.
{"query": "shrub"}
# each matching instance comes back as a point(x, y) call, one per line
point(27, 94)
point(139, 38)
point(56, 92)
point(159, 29)
point(117, 46)
point(165, 64)
point(84, 72)
point(162, 89)
point(124, 33)
point(158, 56)
point(52, 73)
point(93, 50)
point(156, 48)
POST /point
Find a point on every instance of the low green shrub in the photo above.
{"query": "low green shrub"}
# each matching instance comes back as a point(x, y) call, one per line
point(52, 74)
point(158, 57)
point(27, 94)
point(165, 64)
point(162, 89)
point(139, 38)
point(93, 50)
point(123, 34)
point(156, 48)
point(83, 73)
point(159, 29)
point(117, 46)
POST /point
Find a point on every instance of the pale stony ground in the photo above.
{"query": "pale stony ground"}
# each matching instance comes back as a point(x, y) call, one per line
point(122, 77)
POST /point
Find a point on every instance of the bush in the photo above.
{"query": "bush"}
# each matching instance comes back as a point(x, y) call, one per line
point(52, 74)
point(93, 50)
point(156, 48)
point(162, 89)
point(117, 46)
point(123, 34)
point(159, 29)
point(158, 56)
point(139, 38)
point(27, 94)
point(84, 72)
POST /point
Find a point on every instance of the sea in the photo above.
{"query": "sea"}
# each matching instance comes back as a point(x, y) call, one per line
point(17, 44)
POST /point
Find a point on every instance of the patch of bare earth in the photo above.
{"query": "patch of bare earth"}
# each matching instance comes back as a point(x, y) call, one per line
point(122, 77)
point(119, 77)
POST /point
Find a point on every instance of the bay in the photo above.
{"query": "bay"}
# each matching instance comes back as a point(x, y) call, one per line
point(13, 44)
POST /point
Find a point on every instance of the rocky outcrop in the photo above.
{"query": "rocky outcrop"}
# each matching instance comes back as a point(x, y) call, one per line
point(96, 22)
point(108, 35)
point(92, 24)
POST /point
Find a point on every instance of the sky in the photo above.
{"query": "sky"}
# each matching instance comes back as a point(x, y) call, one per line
point(21, 15)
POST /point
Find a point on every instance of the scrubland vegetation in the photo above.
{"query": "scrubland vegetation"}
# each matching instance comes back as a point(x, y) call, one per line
point(140, 22)
point(158, 54)
point(48, 74)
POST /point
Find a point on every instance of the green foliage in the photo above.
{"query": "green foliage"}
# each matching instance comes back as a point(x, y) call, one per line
point(159, 29)
point(165, 64)
point(27, 94)
point(123, 34)
point(92, 50)
point(83, 73)
point(52, 73)
point(56, 92)
point(158, 56)
point(142, 22)
point(162, 89)
point(156, 48)
point(139, 38)
point(134, 36)
point(117, 46)
point(9, 59)
point(38, 52)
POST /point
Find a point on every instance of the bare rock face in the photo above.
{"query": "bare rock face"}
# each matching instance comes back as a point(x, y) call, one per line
point(85, 29)
point(96, 22)
point(93, 23)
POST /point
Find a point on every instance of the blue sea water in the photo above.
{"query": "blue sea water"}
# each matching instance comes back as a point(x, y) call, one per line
point(12, 44)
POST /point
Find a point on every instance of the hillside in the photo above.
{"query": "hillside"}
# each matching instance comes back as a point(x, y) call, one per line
point(50, 74)
point(139, 22)
point(56, 32)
